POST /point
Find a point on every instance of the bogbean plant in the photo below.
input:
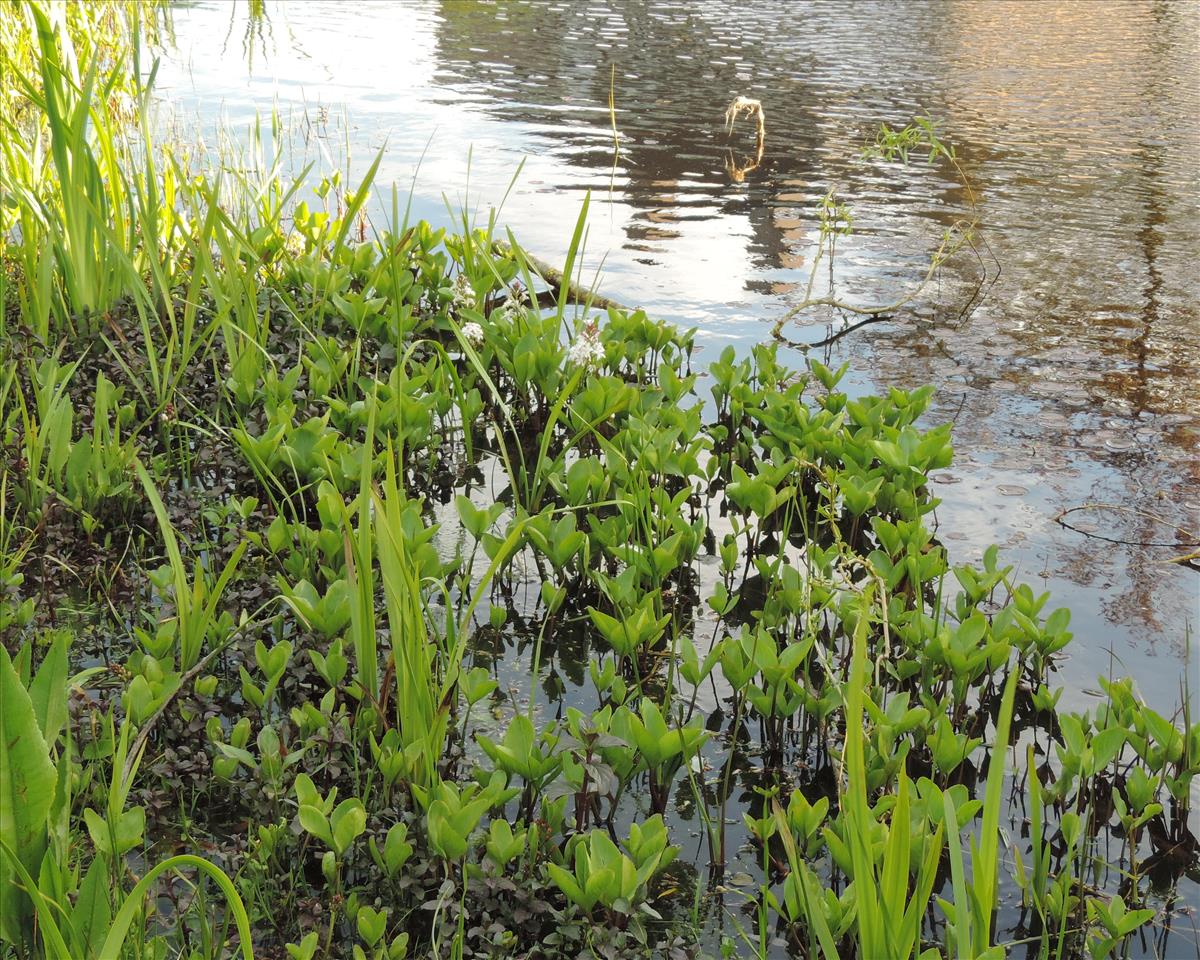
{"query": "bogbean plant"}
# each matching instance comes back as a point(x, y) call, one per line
point(54, 900)
point(383, 467)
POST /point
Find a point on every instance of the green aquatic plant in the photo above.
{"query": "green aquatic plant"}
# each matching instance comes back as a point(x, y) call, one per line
point(47, 427)
point(971, 916)
point(60, 915)
point(15, 612)
point(606, 877)
point(30, 782)
point(888, 919)
point(195, 598)
point(663, 749)
point(524, 754)
point(450, 487)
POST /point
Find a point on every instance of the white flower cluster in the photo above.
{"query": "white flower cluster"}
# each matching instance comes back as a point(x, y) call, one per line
point(473, 334)
point(293, 245)
point(587, 350)
point(516, 302)
point(507, 311)
point(464, 296)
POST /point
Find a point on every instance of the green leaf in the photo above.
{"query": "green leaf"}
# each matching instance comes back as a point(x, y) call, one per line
point(130, 827)
point(48, 692)
point(986, 868)
point(396, 848)
point(859, 819)
point(372, 924)
point(315, 822)
point(306, 949)
point(448, 842)
point(1132, 920)
point(114, 839)
point(960, 912)
point(91, 914)
point(51, 935)
point(567, 884)
point(1106, 745)
point(349, 820)
point(27, 785)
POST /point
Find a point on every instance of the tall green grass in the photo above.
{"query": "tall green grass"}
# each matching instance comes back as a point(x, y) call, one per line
point(78, 189)
point(888, 918)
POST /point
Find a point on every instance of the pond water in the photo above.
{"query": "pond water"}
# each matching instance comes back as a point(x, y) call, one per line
point(1073, 384)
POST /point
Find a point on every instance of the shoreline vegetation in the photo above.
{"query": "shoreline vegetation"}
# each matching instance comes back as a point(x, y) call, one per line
point(310, 515)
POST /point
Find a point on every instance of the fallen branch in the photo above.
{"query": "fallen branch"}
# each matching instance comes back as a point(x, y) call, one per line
point(554, 279)
point(888, 145)
point(1188, 539)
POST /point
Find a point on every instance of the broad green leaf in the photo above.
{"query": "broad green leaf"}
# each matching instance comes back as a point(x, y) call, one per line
point(27, 782)
point(48, 692)
point(349, 820)
point(91, 914)
point(315, 822)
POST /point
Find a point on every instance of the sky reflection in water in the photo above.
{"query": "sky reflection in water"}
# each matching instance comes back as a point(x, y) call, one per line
point(1074, 383)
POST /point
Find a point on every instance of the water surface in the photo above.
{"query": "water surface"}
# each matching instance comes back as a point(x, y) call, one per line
point(1072, 385)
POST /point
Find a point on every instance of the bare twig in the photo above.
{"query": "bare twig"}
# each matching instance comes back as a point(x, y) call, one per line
point(943, 253)
point(143, 736)
point(837, 335)
point(891, 144)
point(1187, 538)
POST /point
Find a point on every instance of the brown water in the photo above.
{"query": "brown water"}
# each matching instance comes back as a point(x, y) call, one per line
point(1073, 384)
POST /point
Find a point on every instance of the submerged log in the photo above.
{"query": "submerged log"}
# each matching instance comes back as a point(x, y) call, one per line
point(553, 278)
